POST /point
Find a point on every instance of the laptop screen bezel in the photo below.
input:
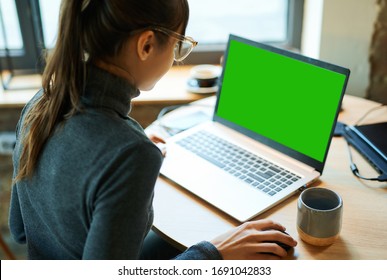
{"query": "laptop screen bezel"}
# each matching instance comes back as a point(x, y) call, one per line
point(317, 165)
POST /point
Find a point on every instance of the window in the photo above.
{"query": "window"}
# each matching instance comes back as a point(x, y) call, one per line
point(277, 21)
point(260, 20)
point(20, 35)
point(32, 24)
point(50, 15)
point(10, 33)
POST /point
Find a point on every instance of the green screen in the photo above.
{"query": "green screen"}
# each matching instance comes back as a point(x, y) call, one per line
point(289, 101)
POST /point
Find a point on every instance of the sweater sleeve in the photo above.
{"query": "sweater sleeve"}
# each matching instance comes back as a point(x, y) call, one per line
point(15, 218)
point(122, 207)
point(201, 251)
point(16, 224)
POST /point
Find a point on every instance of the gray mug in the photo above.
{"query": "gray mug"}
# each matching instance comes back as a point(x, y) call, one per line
point(319, 216)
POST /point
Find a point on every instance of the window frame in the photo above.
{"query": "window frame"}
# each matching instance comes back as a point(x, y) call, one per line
point(29, 58)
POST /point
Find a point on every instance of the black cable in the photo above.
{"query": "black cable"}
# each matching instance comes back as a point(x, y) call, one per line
point(355, 170)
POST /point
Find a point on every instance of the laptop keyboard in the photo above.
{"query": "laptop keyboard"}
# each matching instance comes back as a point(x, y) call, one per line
point(254, 170)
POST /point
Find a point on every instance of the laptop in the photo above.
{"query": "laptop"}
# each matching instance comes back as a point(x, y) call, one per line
point(270, 132)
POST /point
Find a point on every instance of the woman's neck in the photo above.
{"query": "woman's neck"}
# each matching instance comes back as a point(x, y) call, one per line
point(114, 70)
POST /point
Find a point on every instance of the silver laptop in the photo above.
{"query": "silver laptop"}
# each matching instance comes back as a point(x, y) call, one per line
point(270, 134)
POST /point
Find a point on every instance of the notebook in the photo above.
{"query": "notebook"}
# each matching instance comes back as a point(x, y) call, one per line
point(270, 133)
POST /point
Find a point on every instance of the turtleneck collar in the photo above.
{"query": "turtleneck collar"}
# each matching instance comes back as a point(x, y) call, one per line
point(105, 90)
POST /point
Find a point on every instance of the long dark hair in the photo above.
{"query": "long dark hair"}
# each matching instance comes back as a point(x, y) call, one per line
point(98, 28)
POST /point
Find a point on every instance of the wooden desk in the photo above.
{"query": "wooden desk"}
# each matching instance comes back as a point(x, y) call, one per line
point(184, 219)
point(145, 107)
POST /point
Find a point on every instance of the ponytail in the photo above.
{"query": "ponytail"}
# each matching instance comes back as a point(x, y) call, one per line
point(99, 28)
point(62, 82)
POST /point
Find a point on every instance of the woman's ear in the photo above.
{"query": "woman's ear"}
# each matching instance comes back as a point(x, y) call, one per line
point(145, 44)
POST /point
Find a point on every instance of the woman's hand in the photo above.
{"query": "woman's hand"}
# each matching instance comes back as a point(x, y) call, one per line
point(254, 240)
point(159, 142)
point(156, 139)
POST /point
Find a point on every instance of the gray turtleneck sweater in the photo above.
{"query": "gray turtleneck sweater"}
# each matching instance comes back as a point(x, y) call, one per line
point(90, 196)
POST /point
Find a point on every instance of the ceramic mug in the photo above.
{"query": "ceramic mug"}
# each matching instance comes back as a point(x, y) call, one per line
point(319, 216)
point(204, 78)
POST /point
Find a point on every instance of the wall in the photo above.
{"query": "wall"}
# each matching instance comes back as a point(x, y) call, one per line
point(340, 31)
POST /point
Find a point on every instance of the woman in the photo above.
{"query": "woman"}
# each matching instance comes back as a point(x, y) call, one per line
point(84, 171)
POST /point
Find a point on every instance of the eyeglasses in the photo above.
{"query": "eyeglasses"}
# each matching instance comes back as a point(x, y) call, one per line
point(183, 47)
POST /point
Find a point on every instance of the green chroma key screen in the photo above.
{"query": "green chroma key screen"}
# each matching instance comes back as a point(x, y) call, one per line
point(289, 101)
